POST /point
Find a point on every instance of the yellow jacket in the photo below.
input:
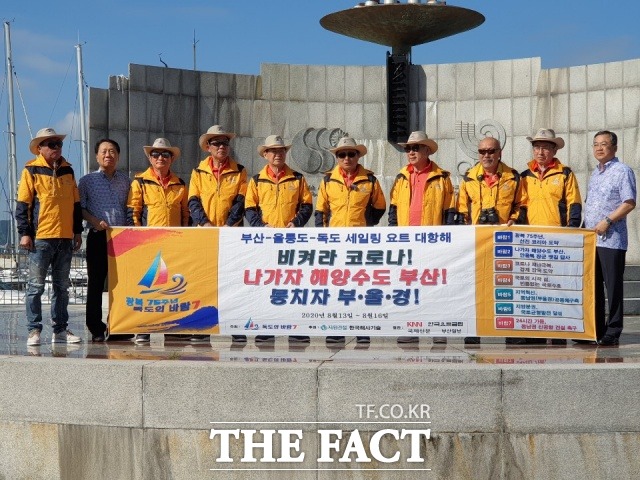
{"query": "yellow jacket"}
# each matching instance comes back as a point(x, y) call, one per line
point(438, 201)
point(554, 200)
point(277, 204)
point(505, 195)
point(151, 205)
point(361, 205)
point(48, 204)
point(221, 203)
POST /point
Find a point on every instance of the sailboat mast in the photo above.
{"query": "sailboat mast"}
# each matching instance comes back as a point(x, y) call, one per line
point(12, 161)
point(83, 116)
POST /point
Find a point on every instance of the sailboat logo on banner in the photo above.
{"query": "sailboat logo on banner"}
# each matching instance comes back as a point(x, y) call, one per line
point(157, 278)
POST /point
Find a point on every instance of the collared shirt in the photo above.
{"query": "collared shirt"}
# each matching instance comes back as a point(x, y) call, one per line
point(608, 188)
point(221, 166)
point(105, 198)
point(490, 179)
point(275, 176)
point(164, 181)
point(348, 177)
point(538, 169)
point(418, 181)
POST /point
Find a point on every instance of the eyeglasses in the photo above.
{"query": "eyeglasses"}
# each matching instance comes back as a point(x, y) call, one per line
point(487, 151)
point(54, 144)
point(218, 143)
point(546, 148)
point(276, 150)
point(603, 145)
point(412, 148)
point(162, 154)
point(346, 154)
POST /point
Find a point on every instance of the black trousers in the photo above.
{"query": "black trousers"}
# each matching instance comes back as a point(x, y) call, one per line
point(609, 275)
point(97, 275)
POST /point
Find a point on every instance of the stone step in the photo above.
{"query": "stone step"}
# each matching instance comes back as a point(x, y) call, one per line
point(632, 272)
point(631, 289)
point(632, 306)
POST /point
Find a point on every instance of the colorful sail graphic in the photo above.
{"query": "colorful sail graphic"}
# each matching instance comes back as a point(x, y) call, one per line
point(157, 277)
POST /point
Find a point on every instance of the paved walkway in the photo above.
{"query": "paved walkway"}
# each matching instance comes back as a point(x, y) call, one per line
point(13, 341)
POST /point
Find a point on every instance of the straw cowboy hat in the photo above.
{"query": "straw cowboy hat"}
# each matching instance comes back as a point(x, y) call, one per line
point(547, 135)
point(41, 136)
point(348, 143)
point(272, 141)
point(420, 138)
point(162, 144)
point(214, 131)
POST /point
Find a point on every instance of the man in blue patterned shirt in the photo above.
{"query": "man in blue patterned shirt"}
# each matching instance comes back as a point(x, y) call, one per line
point(103, 198)
point(611, 196)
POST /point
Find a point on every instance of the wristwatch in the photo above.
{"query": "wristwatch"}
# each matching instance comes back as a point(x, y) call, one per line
point(608, 220)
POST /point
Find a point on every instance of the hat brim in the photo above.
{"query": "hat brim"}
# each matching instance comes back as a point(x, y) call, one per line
point(264, 148)
point(557, 141)
point(175, 150)
point(33, 144)
point(428, 142)
point(205, 137)
point(361, 149)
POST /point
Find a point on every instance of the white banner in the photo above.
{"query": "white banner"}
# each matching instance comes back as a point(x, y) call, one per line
point(367, 281)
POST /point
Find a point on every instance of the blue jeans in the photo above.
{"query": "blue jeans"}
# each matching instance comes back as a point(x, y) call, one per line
point(57, 253)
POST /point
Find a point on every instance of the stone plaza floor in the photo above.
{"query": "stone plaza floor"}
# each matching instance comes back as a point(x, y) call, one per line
point(493, 351)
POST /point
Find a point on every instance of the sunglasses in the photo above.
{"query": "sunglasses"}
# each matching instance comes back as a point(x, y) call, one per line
point(161, 154)
point(52, 144)
point(346, 154)
point(218, 143)
point(412, 148)
point(487, 151)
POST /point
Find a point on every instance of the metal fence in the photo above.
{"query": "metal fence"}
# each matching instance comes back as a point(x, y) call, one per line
point(14, 274)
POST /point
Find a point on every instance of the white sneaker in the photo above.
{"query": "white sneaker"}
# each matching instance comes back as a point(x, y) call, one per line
point(142, 338)
point(65, 337)
point(34, 338)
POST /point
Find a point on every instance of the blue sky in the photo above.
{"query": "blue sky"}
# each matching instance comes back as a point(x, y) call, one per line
point(238, 35)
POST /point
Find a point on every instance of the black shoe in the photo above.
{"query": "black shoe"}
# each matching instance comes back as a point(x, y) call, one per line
point(558, 341)
point(119, 337)
point(299, 339)
point(98, 338)
point(334, 340)
point(177, 337)
point(201, 339)
point(265, 338)
point(363, 340)
point(239, 338)
point(472, 340)
point(406, 340)
point(608, 341)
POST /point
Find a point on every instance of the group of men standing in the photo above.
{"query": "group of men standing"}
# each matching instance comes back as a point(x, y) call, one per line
point(50, 208)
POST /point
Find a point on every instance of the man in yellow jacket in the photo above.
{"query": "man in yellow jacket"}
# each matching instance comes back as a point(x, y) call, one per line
point(422, 194)
point(218, 187)
point(549, 187)
point(158, 198)
point(49, 220)
point(490, 192)
point(218, 184)
point(277, 197)
point(551, 192)
point(349, 196)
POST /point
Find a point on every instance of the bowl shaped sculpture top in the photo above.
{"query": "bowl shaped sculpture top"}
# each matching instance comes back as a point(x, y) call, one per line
point(402, 25)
